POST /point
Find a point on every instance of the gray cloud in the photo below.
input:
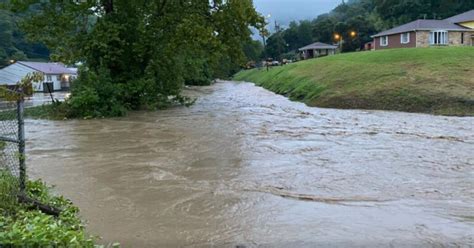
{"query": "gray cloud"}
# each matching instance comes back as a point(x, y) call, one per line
point(285, 11)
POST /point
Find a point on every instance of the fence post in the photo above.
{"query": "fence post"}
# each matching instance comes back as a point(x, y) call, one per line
point(21, 143)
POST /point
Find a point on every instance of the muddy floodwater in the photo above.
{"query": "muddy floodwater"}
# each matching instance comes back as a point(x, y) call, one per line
point(245, 167)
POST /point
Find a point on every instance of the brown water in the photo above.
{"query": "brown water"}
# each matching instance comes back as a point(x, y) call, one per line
point(244, 166)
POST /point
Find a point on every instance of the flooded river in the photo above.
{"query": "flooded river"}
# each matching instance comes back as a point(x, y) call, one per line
point(245, 167)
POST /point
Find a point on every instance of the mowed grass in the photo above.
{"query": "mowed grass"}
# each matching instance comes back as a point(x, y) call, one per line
point(429, 80)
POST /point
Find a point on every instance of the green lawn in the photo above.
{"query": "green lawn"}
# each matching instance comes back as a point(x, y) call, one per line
point(429, 80)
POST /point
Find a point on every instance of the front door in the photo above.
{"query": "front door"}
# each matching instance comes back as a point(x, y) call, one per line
point(48, 87)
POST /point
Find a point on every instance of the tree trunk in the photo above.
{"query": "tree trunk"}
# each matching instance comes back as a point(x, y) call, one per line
point(35, 204)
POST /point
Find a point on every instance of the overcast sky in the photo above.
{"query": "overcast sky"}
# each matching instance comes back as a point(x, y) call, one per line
point(285, 11)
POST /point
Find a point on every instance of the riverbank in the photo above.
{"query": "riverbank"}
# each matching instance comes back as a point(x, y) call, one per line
point(425, 80)
point(21, 225)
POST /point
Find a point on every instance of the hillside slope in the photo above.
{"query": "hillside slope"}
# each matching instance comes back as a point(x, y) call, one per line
point(429, 80)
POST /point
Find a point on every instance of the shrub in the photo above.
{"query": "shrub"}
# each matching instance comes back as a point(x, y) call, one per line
point(21, 227)
point(94, 95)
point(8, 191)
point(55, 111)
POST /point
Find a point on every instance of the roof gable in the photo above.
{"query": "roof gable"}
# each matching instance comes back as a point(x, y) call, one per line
point(318, 45)
point(423, 25)
point(47, 68)
point(13, 73)
point(464, 17)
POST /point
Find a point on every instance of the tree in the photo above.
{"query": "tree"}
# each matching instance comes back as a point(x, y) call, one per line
point(395, 12)
point(140, 53)
point(304, 34)
point(13, 45)
point(253, 50)
point(290, 36)
point(323, 28)
point(276, 46)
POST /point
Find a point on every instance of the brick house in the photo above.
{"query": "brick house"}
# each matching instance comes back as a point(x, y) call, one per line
point(454, 31)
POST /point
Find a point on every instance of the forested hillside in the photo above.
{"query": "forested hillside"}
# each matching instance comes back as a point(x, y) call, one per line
point(365, 17)
point(13, 45)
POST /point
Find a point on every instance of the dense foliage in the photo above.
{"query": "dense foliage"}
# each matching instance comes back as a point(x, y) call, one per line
point(364, 17)
point(13, 44)
point(139, 54)
point(253, 50)
point(20, 226)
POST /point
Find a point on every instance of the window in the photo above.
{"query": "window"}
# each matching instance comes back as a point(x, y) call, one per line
point(384, 41)
point(462, 38)
point(48, 78)
point(405, 38)
point(58, 77)
point(439, 38)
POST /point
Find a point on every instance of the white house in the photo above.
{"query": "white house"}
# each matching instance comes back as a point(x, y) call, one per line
point(317, 49)
point(56, 75)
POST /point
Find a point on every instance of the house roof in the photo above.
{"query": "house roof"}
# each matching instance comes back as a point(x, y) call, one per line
point(318, 45)
point(423, 25)
point(464, 17)
point(13, 73)
point(47, 68)
point(4, 80)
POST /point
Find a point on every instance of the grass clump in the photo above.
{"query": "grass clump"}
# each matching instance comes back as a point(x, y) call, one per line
point(429, 80)
point(55, 111)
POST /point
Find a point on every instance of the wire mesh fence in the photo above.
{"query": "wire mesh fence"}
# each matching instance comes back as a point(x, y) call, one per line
point(12, 155)
point(12, 141)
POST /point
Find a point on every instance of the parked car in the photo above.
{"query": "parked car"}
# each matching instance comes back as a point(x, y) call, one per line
point(250, 65)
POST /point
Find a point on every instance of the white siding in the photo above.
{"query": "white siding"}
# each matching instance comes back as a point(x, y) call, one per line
point(38, 86)
point(13, 74)
point(54, 80)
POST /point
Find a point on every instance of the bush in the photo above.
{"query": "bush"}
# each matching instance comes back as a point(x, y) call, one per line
point(55, 111)
point(94, 95)
point(8, 191)
point(21, 227)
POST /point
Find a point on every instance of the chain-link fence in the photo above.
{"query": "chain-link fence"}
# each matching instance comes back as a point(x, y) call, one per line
point(12, 139)
point(12, 156)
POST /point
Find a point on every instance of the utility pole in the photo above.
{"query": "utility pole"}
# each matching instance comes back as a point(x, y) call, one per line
point(277, 27)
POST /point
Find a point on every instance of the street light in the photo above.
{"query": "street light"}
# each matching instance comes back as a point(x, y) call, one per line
point(338, 39)
point(353, 34)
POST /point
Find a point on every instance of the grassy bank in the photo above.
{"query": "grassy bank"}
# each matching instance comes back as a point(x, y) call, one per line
point(56, 111)
point(428, 80)
point(23, 226)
